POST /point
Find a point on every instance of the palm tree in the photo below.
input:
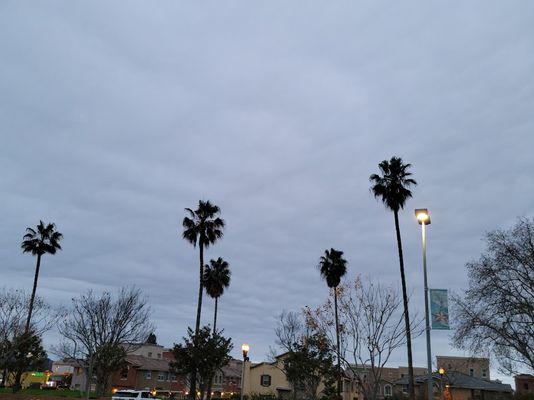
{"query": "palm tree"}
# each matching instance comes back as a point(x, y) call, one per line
point(204, 227)
point(333, 267)
point(392, 187)
point(216, 279)
point(45, 240)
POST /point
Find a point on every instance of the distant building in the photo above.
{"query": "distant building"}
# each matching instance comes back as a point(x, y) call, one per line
point(228, 381)
point(143, 372)
point(524, 384)
point(472, 366)
point(456, 386)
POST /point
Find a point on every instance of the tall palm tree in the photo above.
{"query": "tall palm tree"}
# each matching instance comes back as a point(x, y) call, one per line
point(43, 241)
point(202, 227)
point(333, 267)
point(392, 187)
point(216, 279)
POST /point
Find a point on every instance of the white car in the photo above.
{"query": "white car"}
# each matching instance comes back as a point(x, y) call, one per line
point(131, 395)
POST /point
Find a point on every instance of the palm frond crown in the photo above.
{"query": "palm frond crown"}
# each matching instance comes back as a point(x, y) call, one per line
point(216, 277)
point(203, 225)
point(393, 182)
point(43, 240)
point(332, 267)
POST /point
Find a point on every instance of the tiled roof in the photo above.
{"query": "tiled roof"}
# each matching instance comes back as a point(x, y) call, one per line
point(463, 381)
point(148, 364)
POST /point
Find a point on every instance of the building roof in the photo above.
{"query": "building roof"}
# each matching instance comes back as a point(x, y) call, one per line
point(147, 364)
point(463, 381)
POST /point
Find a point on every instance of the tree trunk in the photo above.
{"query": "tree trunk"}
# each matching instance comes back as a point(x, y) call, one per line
point(193, 383)
point(4, 378)
point(215, 317)
point(338, 347)
point(18, 375)
point(210, 383)
point(411, 386)
point(17, 386)
point(32, 299)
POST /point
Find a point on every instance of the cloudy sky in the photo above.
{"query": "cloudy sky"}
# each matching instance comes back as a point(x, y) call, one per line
point(115, 116)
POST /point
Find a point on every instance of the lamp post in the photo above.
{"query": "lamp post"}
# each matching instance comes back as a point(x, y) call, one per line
point(441, 372)
point(423, 217)
point(245, 349)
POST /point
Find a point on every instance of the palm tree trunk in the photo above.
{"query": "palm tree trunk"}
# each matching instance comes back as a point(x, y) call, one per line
point(200, 287)
point(32, 299)
point(193, 383)
point(210, 383)
point(411, 386)
point(215, 317)
point(338, 347)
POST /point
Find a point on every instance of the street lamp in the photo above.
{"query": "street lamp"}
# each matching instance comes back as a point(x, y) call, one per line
point(423, 217)
point(441, 372)
point(245, 349)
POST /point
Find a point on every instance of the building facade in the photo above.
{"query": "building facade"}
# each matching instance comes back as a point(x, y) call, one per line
point(524, 384)
point(472, 366)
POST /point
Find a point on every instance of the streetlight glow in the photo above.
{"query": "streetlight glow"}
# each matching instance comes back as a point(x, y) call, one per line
point(245, 347)
point(441, 371)
point(422, 216)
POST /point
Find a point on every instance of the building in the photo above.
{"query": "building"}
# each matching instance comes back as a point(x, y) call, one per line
point(149, 350)
point(355, 374)
point(266, 379)
point(147, 373)
point(227, 382)
point(524, 384)
point(472, 366)
point(455, 385)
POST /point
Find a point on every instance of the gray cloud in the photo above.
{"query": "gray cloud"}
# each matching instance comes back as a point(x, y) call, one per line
point(113, 119)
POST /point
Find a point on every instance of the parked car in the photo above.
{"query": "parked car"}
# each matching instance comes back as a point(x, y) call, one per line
point(131, 395)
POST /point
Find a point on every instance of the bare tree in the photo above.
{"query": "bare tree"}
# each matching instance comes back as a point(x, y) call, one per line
point(371, 320)
point(99, 331)
point(13, 314)
point(497, 311)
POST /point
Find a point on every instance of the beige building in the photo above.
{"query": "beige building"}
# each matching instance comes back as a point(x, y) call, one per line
point(472, 366)
point(266, 379)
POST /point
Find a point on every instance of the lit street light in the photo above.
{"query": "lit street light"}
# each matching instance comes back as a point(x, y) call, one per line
point(245, 349)
point(423, 217)
point(441, 372)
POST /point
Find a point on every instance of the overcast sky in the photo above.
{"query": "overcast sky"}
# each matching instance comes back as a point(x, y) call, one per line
point(114, 116)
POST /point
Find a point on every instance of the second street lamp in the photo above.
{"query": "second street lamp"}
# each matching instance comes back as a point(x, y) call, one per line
point(245, 349)
point(423, 217)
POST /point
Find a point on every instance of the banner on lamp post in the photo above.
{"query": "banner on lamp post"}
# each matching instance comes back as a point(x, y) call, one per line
point(439, 308)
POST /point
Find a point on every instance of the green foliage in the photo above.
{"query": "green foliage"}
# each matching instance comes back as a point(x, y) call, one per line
point(204, 355)
point(310, 362)
point(108, 359)
point(25, 352)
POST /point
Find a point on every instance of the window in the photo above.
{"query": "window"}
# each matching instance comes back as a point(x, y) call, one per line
point(265, 380)
point(124, 374)
point(145, 395)
point(161, 376)
point(173, 377)
point(525, 386)
point(387, 391)
point(159, 355)
point(148, 374)
point(149, 354)
point(404, 388)
point(471, 372)
point(484, 373)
